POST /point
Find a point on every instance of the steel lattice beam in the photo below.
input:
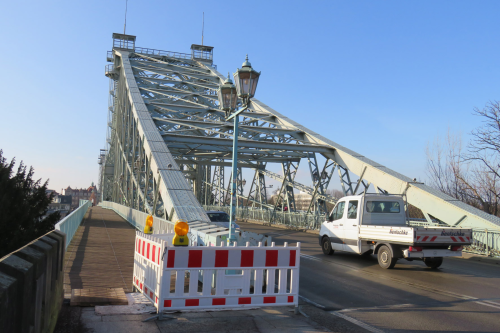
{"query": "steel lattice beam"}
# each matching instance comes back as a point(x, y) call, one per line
point(164, 111)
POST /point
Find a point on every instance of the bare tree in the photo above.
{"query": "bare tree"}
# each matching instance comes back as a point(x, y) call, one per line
point(471, 176)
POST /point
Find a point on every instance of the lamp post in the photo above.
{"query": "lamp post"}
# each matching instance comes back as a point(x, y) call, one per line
point(246, 79)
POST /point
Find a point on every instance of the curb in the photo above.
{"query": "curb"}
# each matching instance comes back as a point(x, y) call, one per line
point(480, 258)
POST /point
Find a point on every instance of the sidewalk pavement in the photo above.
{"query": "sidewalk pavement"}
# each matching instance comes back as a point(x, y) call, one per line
point(277, 319)
point(129, 318)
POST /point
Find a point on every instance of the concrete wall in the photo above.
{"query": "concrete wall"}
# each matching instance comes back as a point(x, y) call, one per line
point(31, 285)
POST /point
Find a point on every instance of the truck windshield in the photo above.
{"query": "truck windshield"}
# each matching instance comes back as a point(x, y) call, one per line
point(382, 207)
point(338, 212)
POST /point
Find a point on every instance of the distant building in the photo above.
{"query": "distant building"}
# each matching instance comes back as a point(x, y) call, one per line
point(81, 194)
point(60, 202)
point(302, 200)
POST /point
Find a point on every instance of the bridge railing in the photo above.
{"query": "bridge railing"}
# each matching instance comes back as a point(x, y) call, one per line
point(109, 68)
point(138, 218)
point(70, 223)
point(291, 219)
point(145, 50)
point(485, 242)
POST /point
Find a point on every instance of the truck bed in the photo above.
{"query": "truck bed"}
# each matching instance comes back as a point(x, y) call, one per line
point(422, 236)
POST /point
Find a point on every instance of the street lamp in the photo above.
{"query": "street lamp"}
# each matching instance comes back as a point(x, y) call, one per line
point(246, 79)
point(228, 96)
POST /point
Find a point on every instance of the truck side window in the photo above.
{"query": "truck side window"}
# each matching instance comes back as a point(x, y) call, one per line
point(338, 212)
point(352, 209)
point(382, 207)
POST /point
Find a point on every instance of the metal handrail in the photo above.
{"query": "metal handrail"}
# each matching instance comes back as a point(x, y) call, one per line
point(291, 219)
point(69, 225)
point(162, 53)
point(123, 44)
point(485, 242)
point(137, 218)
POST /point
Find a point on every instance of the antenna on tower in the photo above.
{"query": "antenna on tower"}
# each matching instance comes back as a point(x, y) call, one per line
point(125, 25)
point(202, 28)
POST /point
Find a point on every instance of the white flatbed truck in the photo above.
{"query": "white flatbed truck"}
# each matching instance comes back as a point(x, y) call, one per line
point(377, 224)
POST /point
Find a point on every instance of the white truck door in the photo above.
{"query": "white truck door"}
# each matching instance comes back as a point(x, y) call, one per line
point(350, 226)
point(335, 226)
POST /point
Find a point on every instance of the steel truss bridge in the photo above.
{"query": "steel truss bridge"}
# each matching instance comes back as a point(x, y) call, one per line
point(168, 146)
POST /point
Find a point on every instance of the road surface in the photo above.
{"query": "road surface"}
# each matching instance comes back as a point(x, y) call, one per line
point(461, 296)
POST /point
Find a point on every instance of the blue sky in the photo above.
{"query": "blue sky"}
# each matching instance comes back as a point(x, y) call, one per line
point(380, 77)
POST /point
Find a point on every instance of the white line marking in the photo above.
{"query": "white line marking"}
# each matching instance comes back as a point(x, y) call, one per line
point(490, 305)
point(310, 257)
point(275, 233)
point(311, 302)
point(397, 306)
point(357, 322)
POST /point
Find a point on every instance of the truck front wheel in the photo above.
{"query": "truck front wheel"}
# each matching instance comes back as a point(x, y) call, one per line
point(385, 259)
point(327, 246)
point(433, 262)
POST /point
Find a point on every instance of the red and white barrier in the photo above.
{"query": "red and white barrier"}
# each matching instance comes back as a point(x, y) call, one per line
point(443, 236)
point(196, 277)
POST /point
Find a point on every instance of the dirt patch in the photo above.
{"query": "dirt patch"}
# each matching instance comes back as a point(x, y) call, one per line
point(69, 320)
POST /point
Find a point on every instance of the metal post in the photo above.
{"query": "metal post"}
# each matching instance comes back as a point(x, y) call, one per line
point(234, 178)
point(486, 243)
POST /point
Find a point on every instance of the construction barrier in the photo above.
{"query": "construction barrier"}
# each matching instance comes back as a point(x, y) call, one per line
point(215, 277)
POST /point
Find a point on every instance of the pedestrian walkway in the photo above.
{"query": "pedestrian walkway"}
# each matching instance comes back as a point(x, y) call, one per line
point(100, 258)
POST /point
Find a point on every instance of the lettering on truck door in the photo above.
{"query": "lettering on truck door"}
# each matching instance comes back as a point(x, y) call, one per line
point(335, 226)
point(350, 227)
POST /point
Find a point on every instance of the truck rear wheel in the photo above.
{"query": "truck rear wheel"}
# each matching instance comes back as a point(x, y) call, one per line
point(433, 262)
point(327, 246)
point(385, 259)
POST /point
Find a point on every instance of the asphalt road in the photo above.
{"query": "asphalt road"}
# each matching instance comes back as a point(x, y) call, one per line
point(461, 296)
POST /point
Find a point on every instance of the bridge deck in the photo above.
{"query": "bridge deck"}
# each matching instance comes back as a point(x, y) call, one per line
point(101, 254)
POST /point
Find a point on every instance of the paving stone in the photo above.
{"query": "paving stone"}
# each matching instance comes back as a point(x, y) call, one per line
point(123, 327)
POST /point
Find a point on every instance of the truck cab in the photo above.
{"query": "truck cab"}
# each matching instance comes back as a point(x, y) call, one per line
point(376, 223)
point(347, 215)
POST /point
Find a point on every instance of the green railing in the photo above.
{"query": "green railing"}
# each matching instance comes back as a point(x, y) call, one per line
point(485, 242)
point(293, 220)
point(70, 223)
point(137, 218)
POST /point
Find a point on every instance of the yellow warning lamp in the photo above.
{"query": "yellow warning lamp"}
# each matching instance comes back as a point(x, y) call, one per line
point(148, 228)
point(181, 229)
